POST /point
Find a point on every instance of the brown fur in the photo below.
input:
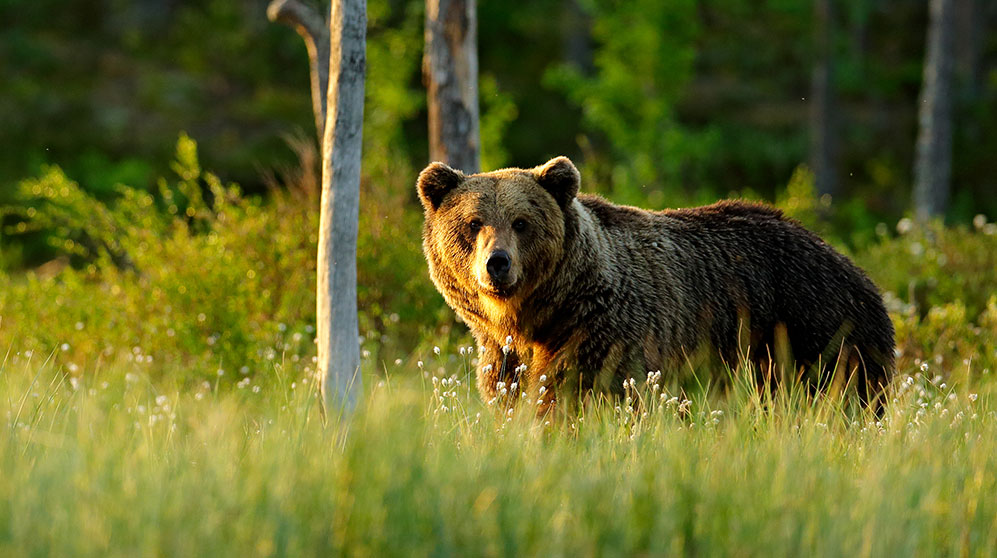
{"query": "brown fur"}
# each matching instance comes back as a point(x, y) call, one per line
point(597, 293)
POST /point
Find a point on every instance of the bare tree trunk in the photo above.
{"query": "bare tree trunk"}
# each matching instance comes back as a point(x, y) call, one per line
point(933, 167)
point(823, 137)
point(313, 29)
point(336, 291)
point(450, 68)
point(339, 51)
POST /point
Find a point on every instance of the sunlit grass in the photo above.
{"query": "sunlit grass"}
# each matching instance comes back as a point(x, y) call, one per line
point(115, 464)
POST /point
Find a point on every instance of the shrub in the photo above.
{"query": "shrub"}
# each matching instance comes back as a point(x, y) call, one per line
point(199, 281)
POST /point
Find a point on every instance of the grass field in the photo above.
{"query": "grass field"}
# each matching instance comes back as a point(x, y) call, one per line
point(116, 465)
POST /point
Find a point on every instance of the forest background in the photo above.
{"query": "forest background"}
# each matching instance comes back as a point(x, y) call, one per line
point(665, 103)
point(662, 104)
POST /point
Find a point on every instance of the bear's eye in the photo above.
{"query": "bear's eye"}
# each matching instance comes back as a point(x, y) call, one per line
point(519, 225)
point(474, 225)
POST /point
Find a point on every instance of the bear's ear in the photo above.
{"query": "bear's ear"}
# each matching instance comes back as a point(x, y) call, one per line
point(435, 181)
point(560, 178)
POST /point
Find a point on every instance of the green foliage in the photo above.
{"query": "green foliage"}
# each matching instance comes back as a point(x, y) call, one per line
point(927, 266)
point(800, 200)
point(201, 278)
point(104, 92)
point(643, 64)
point(662, 103)
point(498, 110)
point(393, 97)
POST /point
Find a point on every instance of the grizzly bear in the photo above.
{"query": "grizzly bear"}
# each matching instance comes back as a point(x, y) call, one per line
point(559, 287)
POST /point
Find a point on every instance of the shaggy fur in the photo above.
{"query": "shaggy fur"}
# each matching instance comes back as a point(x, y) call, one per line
point(596, 293)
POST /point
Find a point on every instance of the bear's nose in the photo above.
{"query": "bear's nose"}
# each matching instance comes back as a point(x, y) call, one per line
point(498, 266)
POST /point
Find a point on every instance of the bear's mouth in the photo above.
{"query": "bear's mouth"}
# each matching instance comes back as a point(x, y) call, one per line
point(500, 291)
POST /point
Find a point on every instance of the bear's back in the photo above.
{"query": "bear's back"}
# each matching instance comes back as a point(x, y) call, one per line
point(722, 213)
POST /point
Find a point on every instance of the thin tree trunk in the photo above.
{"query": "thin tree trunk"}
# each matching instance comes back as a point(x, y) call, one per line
point(823, 138)
point(450, 68)
point(336, 292)
point(314, 30)
point(933, 167)
point(336, 49)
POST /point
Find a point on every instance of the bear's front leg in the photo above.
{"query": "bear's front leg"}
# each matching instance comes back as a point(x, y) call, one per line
point(542, 383)
point(498, 370)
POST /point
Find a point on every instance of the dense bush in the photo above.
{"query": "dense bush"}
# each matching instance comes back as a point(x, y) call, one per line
point(931, 265)
point(199, 279)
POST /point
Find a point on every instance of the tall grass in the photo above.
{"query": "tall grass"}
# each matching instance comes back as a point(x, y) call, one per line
point(117, 465)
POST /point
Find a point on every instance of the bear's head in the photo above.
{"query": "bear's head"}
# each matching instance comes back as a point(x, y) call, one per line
point(499, 234)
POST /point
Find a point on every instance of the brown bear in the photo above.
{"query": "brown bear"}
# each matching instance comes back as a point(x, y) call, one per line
point(560, 287)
